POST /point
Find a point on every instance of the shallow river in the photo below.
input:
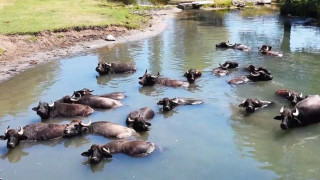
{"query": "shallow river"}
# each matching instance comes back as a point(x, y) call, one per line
point(215, 140)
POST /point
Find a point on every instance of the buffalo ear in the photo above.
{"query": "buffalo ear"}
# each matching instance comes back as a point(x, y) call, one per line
point(241, 105)
point(35, 108)
point(147, 123)
point(2, 137)
point(23, 137)
point(140, 77)
point(277, 118)
point(86, 154)
point(84, 130)
point(160, 102)
point(106, 155)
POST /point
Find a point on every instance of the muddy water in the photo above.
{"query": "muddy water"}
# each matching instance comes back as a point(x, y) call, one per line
point(215, 140)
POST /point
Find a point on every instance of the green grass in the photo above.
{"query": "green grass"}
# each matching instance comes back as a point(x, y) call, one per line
point(33, 16)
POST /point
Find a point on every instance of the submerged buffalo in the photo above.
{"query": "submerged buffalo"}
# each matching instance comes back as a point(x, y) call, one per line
point(139, 119)
point(133, 148)
point(253, 104)
point(192, 74)
point(258, 76)
point(32, 132)
point(106, 68)
point(253, 69)
point(86, 92)
point(45, 111)
point(266, 50)
point(169, 104)
point(240, 47)
point(92, 101)
point(104, 128)
point(290, 95)
point(304, 113)
point(223, 69)
point(149, 80)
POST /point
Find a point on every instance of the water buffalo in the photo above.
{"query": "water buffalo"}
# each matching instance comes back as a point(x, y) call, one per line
point(85, 92)
point(304, 113)
point(32, 132)
point(192, 74)
point(290, 95)
point(133, 148)
point(169, 104)
point(253, 104)
point(104, 128)
point(266, 50)
point(240, 47)
point(138, 120)
point(149, 80)
point(45, 111)
point(223, 69)
point(105, 68)
point(258, 76)
point(92, 101)
point(253, 69)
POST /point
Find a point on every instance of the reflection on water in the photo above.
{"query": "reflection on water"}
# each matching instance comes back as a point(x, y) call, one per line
point(215, 139)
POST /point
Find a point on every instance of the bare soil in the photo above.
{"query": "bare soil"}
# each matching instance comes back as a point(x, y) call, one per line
point(22, 52)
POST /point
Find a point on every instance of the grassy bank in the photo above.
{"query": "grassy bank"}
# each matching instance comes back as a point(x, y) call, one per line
point(32, 16)
point(309, 8)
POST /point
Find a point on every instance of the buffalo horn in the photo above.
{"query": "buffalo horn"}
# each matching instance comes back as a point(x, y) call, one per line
point(20, 132)
point(289, 94)
point(282, 109)
point(106, 150)
point(130, 120)
point(301, 95)
point(108, 64)
point(7, 130)
point(88, 124)
point(255, 74)
point(51, 105)
point(146, 71)
point(296, 113)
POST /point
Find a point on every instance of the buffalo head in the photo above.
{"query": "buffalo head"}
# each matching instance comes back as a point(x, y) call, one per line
point(13, 136)
point(43, 109)
point(76, 127)
point(289, 118)
point(228, 65)
point(96, 153)
point(224, 45)
point(192, 74)
point(103, 68)
point(265, 48)
point(139, 124)
point(249, 104)
point(294, 98)
point(148, 79)
point(260, 76)
point(82, 92)
point(167, 104)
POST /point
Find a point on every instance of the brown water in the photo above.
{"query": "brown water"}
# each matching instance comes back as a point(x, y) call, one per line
point(215, 140)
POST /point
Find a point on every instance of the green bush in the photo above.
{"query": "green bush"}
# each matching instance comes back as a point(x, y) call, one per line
point(310, 8)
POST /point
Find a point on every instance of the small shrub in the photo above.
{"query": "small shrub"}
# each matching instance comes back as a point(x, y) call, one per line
point(32, 39)
point(60, 36)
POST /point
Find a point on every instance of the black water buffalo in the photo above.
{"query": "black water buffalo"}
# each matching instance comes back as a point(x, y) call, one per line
point(240, 47)
point(138, 120)
point(192, 74)
point(266, 50)
point(223, 69)
point(105, 68)
point(85, 92)
point(92, 101)
point(32, 132)
point(290, 95)
point(169, 104)
point(253, 104)
point(133, 148)
point(149, 80)
point(45, 111)
point(104, 128)
point(253, 69)
point(258, 76)
point(304, 113)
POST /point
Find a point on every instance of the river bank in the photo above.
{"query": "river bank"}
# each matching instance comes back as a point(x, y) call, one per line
point(23, 52)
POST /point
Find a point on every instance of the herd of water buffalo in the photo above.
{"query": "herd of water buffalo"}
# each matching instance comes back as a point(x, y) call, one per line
point(82, 103)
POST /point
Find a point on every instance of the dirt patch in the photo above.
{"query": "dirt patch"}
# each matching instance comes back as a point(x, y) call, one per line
point(21, 52)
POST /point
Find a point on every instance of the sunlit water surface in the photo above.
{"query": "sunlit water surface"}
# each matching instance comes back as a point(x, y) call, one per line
point(215, 140)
